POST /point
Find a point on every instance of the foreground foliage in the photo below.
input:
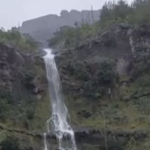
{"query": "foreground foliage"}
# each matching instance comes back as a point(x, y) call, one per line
point(13, 36)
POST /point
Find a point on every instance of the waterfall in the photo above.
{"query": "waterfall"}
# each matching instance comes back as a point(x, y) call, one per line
point(58, 123)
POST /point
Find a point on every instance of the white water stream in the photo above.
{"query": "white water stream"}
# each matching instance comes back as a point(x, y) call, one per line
point(58, 123)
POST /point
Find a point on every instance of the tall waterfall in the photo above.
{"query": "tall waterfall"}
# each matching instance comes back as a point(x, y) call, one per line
point(58, 123)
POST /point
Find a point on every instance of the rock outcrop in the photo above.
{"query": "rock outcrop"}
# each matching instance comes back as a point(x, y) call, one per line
point(120, 44)
point(16, 70)
point(42, 28)
point(79, 67)
point(86, 137)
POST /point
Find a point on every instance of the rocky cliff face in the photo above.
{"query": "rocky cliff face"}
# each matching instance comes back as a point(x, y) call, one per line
point(120, 44)
point(42, 28)
point(81, 65)
point(106, 77)
point(105, 83)
point(17, 72)
point(22, 98)
point(21, 86)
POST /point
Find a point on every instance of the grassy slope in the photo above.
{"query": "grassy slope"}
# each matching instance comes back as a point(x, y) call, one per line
point(126, 112)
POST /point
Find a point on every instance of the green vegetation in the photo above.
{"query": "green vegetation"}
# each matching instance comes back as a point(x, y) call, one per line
point(124, 108)
point(121, 11)
point(10, 143)
point(111, 13)
point(22, 42)
point(106, 73)
point(4, 107)
point(72, 36)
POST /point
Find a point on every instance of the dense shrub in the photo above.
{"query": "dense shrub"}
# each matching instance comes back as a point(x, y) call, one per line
point(4, 107)
point(13, 36)
point(106, 73)
point(10, 143)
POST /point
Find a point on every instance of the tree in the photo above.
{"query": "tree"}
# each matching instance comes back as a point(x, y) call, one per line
point(105, 13)
point(141, 11)
point(113, 11)
point(10, 143)
point(106, 73)
point(121, 10)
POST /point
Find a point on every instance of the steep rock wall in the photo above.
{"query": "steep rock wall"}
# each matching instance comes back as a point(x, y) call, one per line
point(43, 28)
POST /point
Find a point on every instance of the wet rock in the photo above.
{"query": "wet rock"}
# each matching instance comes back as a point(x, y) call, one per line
point(17, 72)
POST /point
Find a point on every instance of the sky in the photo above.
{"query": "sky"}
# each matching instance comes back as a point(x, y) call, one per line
point(14, 12)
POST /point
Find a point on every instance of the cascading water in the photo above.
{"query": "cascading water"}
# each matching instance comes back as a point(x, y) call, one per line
point(58, 123)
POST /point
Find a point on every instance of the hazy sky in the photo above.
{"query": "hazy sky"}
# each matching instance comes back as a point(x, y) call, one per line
point(14, 12)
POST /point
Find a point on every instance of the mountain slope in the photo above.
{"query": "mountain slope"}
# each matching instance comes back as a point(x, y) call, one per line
point(42, 28)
